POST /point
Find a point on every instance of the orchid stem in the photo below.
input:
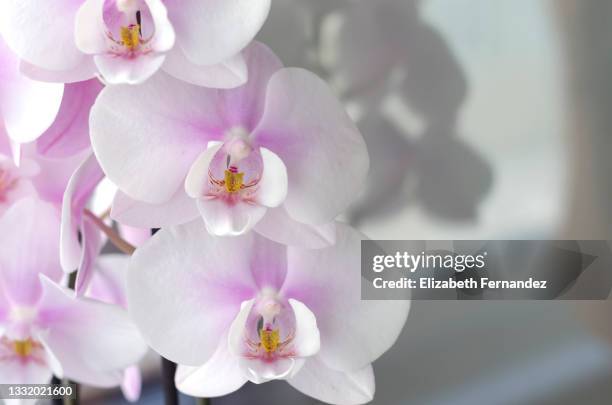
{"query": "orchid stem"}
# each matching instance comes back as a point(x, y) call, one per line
point(202, 401)
point(112, 235)
point(170, 391)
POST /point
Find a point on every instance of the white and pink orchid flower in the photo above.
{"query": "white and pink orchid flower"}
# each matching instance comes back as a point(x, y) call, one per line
point(248, 309)
point(278, 154)
point(44, 328)
point(127, 41)
point(27, 107)
point(107, 284)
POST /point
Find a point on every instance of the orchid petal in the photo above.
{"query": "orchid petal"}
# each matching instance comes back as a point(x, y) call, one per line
point(273, 184)
point(91, 247)
point(69, 133)
point(146, 137)
point(197, 177)
point(85, 70)
point(132, 383)
point(27, 107)
point(277, 225)
point(48, 41)
point(117, 69)
point(90, 31)
point(223, 219)
point(210, 32)
point(221, 375)
point(227, 74)
point(180, 209)
point(93, 341)
point(354, 332)
point(326, 157)
point(320, 382)
point(28, 247)
point(79, 188)
point(307, 341)
point(174, 276)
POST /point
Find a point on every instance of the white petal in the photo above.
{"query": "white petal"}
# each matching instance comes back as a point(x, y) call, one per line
point(163, 39)
point(354, 332)
point(307, 341)
point(123, 70)
point(272, 188)
point(41, 32)
point(197, 178)
point(219, 376)
point(27, 107)
point(180, 209)
point(236, 335)
point(228, 74)
point(90, 31)
point(259, 371)
point(334, 387)
point(223, 219)
point(132, 383)
point(212, 31)
point(93, 341)
point(85, 70)
point(326, 157)
point(277, 225)
point(192, 284)
point(146, 137)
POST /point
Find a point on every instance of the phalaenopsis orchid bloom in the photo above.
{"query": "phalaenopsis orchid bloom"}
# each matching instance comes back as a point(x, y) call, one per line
point(44, 328)
point(127, 41)
point(278, 154)
point(248, 309)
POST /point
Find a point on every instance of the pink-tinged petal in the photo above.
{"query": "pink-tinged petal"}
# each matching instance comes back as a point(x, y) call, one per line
point(273, 185)
point(353, 332)
point(27, 107)
point(185, 288)
point(28, 247)
point(132, 384)
point(180, 209)
point(268, 263)
point(219, 376)
point(320, 382)
point(326, 156)
point(133, 235)
point(41, 32)
point(92, 243)
point(146, 137)
point(93, 341)
point(69, 133)
point(235, 337)
point(228, 74)
point(117, 69)
point(14, 370)
point(54, 174)
point(307, 341)
point(89, 29)
point(244, 106)
point(109, 279)
point(79, 188)
point(225, 219)
point(164, 37)
point(85, 70)
point(280, 227)
point(197, 177)
point(212, 31)
point(259, 371)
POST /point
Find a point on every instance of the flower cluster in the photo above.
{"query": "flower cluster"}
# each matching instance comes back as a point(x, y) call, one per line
point(122, 116)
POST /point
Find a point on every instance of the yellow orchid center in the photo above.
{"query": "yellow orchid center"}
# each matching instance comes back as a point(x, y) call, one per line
point(270, 339)
point(234, 180)
point(23, 348)
point(130, 36)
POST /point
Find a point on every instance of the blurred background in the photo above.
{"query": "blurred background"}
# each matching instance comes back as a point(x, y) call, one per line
point(484, 120)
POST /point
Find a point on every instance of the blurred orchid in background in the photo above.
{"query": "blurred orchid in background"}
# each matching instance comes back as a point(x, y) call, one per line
point(45, 329)
point(278, 155)
point(127, 41)
point(274, 312)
